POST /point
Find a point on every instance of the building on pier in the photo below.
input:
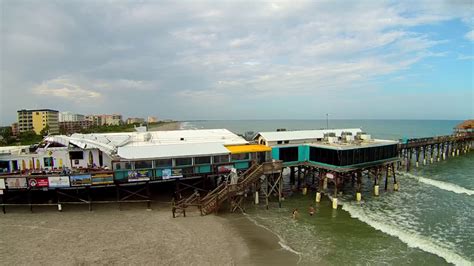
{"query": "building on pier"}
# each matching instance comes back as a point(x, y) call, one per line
point(338, 149)
point(158, 155)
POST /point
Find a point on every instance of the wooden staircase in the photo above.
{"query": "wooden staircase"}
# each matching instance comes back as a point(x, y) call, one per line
point(227, 192)
point(212, 201)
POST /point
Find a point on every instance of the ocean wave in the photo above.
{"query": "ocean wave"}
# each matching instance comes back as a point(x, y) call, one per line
point(281, 241)
point(413, 240)
point(440, 184)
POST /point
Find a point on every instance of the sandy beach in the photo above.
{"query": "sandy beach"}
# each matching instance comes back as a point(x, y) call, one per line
point(131, 236)
point(162, 126)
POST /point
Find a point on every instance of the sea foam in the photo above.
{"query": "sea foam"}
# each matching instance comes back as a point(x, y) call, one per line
point(440, 184)
point(410, 238)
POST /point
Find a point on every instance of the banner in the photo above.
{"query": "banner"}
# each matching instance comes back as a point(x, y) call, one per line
point(225, 168)
point(172, 173)
point(2, 183)
point(58, 181)
point(16, 182)
point(38, 182)
point(138, 175)
point(102, 179)
point(80, 180)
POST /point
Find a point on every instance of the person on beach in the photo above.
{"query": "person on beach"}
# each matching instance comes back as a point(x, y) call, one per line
point(311, 210)
point(295, 214)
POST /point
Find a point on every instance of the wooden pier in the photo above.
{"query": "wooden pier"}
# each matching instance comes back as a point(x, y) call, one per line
point(434, 149)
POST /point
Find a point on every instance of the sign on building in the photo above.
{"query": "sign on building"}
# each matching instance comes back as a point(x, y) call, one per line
point(38, 182)
point(102, 179)
point(138, 175)
point(172, 173)
point(58, 181)
point(80, 180)
point(16, 182)
point(2, 183)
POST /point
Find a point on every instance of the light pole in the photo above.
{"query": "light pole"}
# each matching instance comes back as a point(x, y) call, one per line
point(327, 121)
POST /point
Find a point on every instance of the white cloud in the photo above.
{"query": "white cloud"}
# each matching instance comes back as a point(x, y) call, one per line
point(470, 35)
point(65, 89)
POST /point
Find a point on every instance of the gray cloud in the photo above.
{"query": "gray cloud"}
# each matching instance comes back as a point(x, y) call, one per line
point(205, 59)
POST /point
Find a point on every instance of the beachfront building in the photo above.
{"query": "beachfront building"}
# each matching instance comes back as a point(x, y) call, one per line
point(135, 120)
point(70, 127)
point(105, 119)
point(70, 117)
point(37, 120)
point(152, 119)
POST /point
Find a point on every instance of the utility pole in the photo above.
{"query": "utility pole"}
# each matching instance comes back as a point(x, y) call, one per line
point(327, 121)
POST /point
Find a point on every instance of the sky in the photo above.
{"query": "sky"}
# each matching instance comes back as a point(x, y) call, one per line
point(239, 59)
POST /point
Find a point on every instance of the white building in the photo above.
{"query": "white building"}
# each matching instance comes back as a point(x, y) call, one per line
point(70, 117)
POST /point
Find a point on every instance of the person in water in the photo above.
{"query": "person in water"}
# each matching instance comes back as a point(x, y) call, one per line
point(295, 214)
point(311, 210)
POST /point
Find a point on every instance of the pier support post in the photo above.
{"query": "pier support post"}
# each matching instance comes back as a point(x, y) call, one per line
point(257, 199)
point(334, 199)
point(386, 177)
point(292, 176)
point(376, 183)
point(359, 185)
point(318, 197)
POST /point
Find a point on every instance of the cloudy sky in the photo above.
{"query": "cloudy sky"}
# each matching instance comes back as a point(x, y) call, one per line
point(239, 59)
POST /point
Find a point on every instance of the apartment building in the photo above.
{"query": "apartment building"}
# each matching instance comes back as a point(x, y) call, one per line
point(38, 119)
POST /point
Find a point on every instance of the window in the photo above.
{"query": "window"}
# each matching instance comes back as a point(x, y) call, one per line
point(76, 155)
point(48, 161)
point(202, 160)
point(287, 141)
point(221, 159)
point(122, 166)
point(183, 161)
point(164, 163)
point(240, 156)
point(279, 142)
point(143, 164)
point(289, 154)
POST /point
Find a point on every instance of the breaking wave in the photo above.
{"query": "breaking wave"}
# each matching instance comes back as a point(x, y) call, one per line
point(411, 239)
point(440, 184)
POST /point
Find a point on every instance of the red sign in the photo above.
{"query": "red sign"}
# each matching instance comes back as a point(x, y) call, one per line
point(38, 182)
point(225, 168)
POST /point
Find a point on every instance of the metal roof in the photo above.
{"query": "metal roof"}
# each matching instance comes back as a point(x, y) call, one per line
point(111, 142)
point(303, 134)
point(171, 151)
point(354, 145)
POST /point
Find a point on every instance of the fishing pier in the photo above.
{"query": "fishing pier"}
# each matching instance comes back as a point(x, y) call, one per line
point(212, 169)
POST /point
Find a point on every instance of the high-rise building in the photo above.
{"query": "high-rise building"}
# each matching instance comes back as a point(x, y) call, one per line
point(37, 120)
point(70, 117)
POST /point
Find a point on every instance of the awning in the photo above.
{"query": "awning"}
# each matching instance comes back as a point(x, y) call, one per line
point(248, 148)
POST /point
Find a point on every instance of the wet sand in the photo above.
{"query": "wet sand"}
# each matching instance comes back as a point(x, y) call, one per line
point(134, 236)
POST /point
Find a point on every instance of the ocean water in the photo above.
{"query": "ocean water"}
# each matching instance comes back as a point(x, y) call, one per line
point(428, 222)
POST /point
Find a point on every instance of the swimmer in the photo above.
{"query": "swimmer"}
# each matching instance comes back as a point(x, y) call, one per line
point(295, 214)
point(311, 210)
